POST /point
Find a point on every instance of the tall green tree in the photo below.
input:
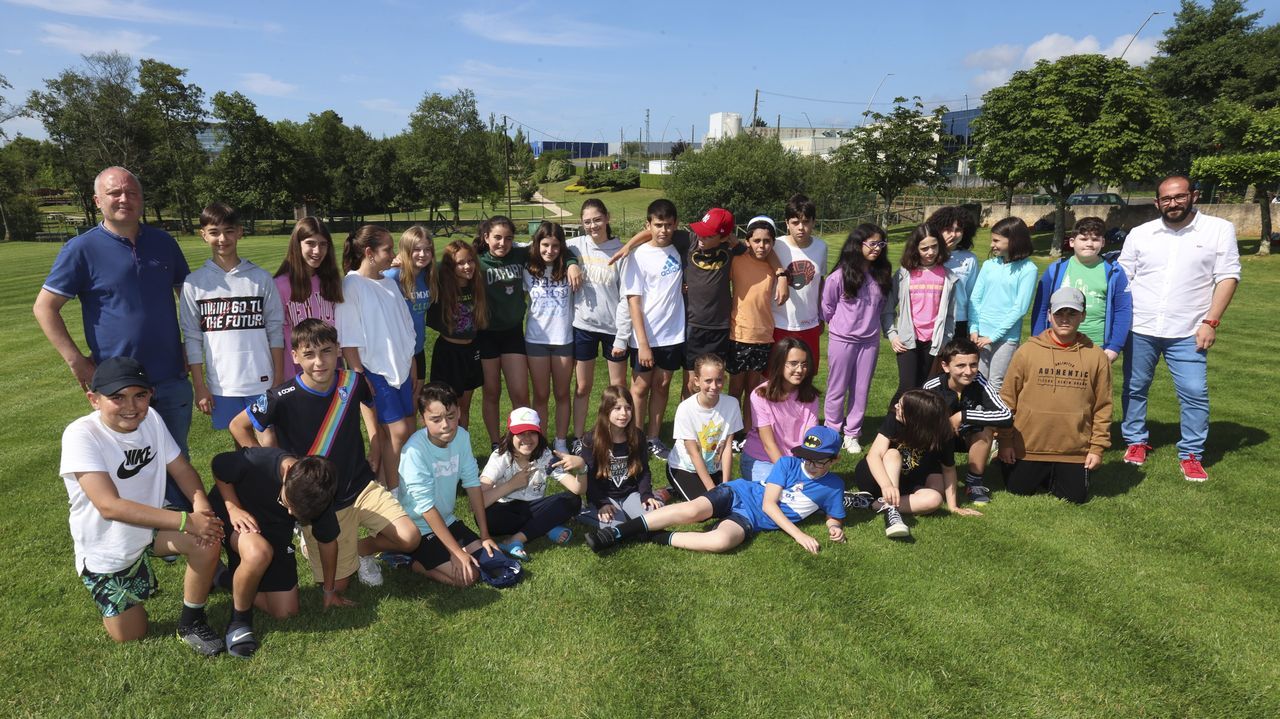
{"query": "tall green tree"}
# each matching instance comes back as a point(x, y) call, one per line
point(522, 166)
point(894, 151)
point(1253, 159)
point(1063, 124)
point(747, 175)
point(256, 169)
point(173, 112)
point(449, 151)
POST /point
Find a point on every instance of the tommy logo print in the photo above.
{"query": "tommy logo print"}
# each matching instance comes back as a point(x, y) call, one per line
point(134, 461)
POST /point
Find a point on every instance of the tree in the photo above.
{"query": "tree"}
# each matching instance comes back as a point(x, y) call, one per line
point(91, 116)
point(255, 170)
point(1255, 139)
point(173, 113)
point(747, 175)
point(8, 110)
point(1063, 124)
point(1212, 55)
point(522, 166)
point(448, 151)
point(894, 151)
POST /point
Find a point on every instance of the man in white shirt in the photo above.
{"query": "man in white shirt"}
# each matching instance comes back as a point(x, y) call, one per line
point(1183, 270)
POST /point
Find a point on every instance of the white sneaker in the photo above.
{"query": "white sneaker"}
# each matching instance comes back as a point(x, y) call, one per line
point(851, 444)
point(370, 573)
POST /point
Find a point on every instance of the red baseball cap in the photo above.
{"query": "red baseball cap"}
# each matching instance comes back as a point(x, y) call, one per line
point(716, 222)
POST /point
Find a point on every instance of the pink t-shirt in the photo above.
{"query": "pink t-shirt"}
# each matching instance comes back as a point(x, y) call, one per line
point(316, 307)
point(926, 297)
point(788, 419)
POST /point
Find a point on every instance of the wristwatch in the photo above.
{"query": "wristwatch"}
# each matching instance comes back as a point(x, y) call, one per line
point(1212, 323)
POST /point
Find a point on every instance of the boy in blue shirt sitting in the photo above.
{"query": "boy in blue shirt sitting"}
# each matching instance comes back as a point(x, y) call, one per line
point(797, 487)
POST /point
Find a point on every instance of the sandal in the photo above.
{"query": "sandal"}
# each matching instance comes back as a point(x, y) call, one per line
point(240, 641)
point(560, 535)
point(514, 549)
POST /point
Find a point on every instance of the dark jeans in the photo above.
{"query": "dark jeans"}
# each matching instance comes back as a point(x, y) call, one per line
point(534, 518)
point(1065, 480)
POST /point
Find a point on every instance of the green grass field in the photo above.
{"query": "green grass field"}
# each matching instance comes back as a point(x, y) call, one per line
point(1157, 599)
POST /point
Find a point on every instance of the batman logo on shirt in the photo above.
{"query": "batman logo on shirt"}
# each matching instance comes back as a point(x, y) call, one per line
point(713, 259)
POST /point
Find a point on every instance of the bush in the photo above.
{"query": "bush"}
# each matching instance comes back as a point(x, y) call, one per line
point(22, 214)
point(611, 179)
point(559, 170)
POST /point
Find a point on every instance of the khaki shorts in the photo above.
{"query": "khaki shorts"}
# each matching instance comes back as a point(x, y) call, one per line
point(374, 509)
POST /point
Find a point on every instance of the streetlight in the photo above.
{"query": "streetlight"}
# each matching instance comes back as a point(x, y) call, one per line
point(1135, 35)
point(873, 97)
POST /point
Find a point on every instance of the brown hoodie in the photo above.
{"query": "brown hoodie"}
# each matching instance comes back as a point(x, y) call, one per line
point(1061, 400)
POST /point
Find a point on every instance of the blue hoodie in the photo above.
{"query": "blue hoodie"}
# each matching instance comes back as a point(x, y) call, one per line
point(1119, 315)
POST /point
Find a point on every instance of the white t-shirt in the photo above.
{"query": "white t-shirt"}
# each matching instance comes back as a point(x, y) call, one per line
point(550, 319)
point(656, 276)
point(136, 462)
point(805, 269)
point(710, 428)
point(374, 318)
point(501, 468)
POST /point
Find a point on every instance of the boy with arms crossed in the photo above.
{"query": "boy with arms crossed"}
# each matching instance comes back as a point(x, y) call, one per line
point(316, 413)
point(113, 464)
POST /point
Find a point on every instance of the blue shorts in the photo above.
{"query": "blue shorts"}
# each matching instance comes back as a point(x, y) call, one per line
point(225, 409)
point(586, 344)
point(533, 349)
point(669, 358)
point(722, 499)
point(392, 403)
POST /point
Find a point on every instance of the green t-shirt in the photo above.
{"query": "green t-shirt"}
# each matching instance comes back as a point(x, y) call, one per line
point(1092, 281)
point(504, 286)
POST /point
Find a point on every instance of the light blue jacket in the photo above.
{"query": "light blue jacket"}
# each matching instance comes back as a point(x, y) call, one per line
point(1001, 299)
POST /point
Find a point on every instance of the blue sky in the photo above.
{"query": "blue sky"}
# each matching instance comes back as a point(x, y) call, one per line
point(578, 70)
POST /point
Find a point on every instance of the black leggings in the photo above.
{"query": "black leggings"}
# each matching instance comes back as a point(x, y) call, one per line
point(913, 370)
point(534, 518)
point(1065, 480)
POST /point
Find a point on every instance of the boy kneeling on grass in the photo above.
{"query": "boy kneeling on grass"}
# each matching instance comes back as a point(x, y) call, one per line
point(797, 487)
point(116, 489)
point(260, 492)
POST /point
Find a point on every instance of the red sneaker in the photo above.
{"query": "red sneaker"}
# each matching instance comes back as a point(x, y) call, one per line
point(1192, 470)
point(1137, 454)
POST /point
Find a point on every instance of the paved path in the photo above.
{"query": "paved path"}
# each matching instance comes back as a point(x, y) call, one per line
point(552, 207)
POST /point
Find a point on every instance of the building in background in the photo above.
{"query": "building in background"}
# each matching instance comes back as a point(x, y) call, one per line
point(577, 150)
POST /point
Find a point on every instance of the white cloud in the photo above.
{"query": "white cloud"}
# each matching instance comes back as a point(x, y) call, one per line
point(999, 62)
point(382, 104)
point(521, 27)
point(13, 51)
point(86, 42)
point(261, 83)
point(496, 82)
point(127, 10)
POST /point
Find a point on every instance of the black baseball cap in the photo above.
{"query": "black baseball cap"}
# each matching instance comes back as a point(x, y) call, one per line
point(117, 373)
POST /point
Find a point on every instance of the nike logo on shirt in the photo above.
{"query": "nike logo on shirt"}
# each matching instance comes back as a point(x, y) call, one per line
point(134, 461)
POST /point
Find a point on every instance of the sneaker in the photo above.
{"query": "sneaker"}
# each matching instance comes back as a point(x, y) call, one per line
point(240, 641)
point(302, 543)
point(894, 527)
point(738, 444)
point(658, 449)
point(201, 637)
point(1192, 470)
point(858, 500)
point(369, 573)
point(851, 444)
point(395, 560)
point(601, 539)
point(1136, 454)
point(978, 494)
point(577, 446)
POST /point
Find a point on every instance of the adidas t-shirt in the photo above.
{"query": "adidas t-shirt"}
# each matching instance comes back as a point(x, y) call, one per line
point(255, 473)
point(655, 275)
point(136, 463)
point(802, 495)
point(299, 413)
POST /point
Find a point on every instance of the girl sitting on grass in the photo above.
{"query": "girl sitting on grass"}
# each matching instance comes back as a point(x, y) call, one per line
point(619, 486)
point(783, 407)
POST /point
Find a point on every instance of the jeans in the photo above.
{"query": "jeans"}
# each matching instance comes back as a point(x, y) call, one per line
point(1188, 366)
point(756, 470)
point(172, 401)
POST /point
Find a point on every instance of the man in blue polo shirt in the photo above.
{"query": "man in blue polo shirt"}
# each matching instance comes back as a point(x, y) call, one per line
point(124, 274)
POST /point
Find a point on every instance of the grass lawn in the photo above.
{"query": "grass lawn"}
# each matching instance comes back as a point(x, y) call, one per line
point(1159, 598)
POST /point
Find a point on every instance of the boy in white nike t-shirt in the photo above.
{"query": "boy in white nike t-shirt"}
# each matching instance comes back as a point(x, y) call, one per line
point(114, 463)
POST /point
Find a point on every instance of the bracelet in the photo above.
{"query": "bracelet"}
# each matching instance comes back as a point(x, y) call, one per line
point(327, 592)
point(182, 526)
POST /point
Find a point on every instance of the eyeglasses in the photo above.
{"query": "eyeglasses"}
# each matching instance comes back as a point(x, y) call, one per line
point(880, 245)
point(796, 364)
point(593, 221)
point(1170, 199)
point(821, 462)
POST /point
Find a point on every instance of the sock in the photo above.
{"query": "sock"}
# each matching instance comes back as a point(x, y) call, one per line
point(973, 480)
point(632, 528)
point(661, 537)
point(191, 613)
point(245, 617)
point(653, 438)
point(560, 445)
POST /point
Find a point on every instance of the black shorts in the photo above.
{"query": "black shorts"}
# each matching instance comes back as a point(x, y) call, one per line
point(282, 572)
point(688, 485)
point(961, 443)
point(420, 364)
point(721, 498)
point(669, 358)
point(495, 343)
point(745, 357)
point(907, 483)
point(1065, 480)
point(431, 553)
point(456, 365)
point(700, 341)
point(586, 344)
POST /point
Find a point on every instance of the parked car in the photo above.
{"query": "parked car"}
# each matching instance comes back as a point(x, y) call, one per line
point(1096, 198)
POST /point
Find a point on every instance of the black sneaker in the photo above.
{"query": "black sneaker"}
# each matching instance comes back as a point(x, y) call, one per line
point(978, 494)
point(894, 527)
point(858, 500)
point(577, 446)
point(240, 640)
point(201, 637)
point(738, 444)
point(658, 449)
point(601, 539)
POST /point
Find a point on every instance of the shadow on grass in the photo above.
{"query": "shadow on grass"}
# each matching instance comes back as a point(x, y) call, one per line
point(1224, 437)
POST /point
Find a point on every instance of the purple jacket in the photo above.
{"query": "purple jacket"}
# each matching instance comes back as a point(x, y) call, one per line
point(851, 320)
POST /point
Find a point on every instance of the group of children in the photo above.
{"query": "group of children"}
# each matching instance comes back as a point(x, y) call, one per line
point(702, 301)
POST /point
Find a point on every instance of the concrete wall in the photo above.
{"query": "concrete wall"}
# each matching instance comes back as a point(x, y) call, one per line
point(1246, 217)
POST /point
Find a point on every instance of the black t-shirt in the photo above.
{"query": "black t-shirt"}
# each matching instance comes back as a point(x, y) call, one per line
point(619, 484)
point(708, 299)
point(298, 414)
point(255, 472)
point(915, 459)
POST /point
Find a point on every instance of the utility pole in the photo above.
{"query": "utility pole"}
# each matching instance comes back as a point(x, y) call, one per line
point(777, 127)
point(506, 152)
point(755, 108)
point(647, 137)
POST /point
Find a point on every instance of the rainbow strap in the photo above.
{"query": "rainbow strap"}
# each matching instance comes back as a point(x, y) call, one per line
point(346, 385)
